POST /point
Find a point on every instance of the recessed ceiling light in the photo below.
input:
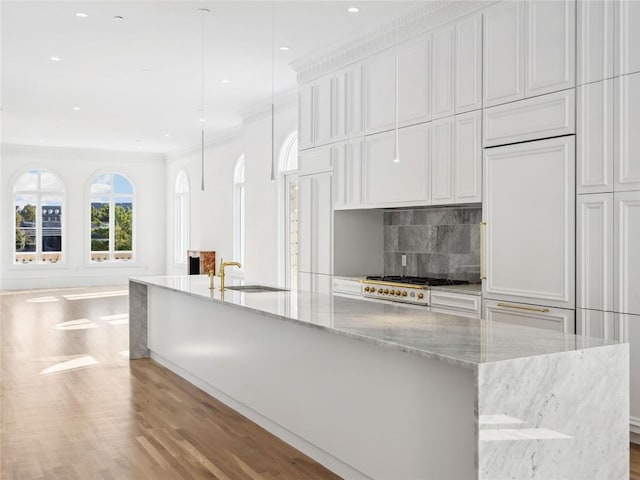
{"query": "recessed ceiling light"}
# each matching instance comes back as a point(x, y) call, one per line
point(224, 81)
point(166, 135)
point(81, 15)
point(284, 48)
point(353, 9)
point(118, 17)
point(202, 119)
point(76, 108)
point(55, 59)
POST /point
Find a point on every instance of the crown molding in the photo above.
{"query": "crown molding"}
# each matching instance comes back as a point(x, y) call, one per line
point(283, 101)
point(413, 24)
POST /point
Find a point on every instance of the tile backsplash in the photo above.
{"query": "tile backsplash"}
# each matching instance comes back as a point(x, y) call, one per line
point(441, 242)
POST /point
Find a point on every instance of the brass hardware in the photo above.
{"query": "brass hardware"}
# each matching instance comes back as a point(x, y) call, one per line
point(398, 293)
point(404, 294)
point(482, 275)
point(386, 291)
point(379, 290)
point(420, 296)
point(224, 264)
point(211, 275)
point(521, 307)
point(393, 284)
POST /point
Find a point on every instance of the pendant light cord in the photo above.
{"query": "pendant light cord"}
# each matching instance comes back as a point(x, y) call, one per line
point(273, 107)
point(202, 112)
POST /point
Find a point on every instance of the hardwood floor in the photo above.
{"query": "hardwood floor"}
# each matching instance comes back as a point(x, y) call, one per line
point(74, 407)
point(635, 462)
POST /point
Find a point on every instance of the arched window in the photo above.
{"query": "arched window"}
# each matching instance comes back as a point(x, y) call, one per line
point(289, 180)
point(111, 199)
point(182, 218)
point(238, 211)
point(38, 202)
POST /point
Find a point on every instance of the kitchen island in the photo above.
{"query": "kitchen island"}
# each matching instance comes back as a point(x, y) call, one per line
point(383, 391)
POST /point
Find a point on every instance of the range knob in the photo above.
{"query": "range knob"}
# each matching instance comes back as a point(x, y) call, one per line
point(404, 294)
point(420, 296)
point(366, 289)
point(398, 292)
point(380, 291)
point(386, 291)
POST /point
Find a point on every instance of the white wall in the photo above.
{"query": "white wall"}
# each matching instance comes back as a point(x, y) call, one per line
point(212, 210)
point(76, 168)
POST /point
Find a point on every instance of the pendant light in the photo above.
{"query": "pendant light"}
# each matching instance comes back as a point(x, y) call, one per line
point(273, 106)
point(203, 12)
point(396, 153)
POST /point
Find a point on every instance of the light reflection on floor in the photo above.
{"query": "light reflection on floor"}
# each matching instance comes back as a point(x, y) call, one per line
point(118, 319)
point(82, 361)
point(80, 324)
point(43, 300)
point(90, 296)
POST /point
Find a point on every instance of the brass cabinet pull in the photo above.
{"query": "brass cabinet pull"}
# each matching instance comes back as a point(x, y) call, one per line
point(522, 307)
point(482, 275)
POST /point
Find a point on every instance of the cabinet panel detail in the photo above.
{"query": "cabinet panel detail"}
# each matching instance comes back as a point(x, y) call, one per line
point(442, 161)
point(627, 146)
point(380, 93)
point(559, 319)
point(413, 83)
point(468, 64)
point(627, 252)
point(443, 72)
point(468, 158)
point(595, 40)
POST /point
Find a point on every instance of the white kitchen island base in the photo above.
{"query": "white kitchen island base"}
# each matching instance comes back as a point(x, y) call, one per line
point(369, 406)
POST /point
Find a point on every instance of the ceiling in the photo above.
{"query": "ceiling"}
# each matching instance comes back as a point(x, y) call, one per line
point(135, 82)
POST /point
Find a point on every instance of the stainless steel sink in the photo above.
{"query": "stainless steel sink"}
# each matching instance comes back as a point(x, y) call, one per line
point(255, 289)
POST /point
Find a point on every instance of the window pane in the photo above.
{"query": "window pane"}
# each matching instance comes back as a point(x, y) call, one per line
point(49, 183)
point(121, 185)
point(51, 224)
point(101, 185)
point(241, 224)
point(26, 223)
point(293, 233)
point(27, 182)
point(123, 224)
point(100, 224)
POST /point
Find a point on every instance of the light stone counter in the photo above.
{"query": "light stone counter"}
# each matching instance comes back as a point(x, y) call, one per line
point(389, 392)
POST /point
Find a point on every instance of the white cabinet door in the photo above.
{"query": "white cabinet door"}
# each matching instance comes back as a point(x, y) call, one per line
point(627, 252)
point(595, 136)
point(405, 182)
point(599, 324)
point(456, 303)
point(468, 64)
point(315, 160)
point(594, 269)
point(305, 116)
point(413, 82)
point(339, 107)
point(559, 319)
point(595, 40)
point(468, 158)
point(503, 62)
point(442, 164)
point(323, 234)
point(380, 93)
point(355, 101)
point(627, 146)
point(529, 210)
point(305, 223)
point(627, 53)
point(340, 175)
point(550, 44)
point(443, 62)
point(323, 111)
point(355, 154)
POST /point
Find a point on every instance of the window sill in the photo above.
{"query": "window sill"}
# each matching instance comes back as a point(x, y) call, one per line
point(114, 264)
point(38, 266)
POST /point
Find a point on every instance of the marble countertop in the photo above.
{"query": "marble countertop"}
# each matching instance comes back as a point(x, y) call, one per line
point(457, 340)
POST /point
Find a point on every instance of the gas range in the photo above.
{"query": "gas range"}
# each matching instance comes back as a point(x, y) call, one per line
point(405, 289)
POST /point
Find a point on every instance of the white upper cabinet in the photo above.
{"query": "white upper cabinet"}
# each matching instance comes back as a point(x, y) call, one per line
point(595, 252)
point(529, 210)
point(503, 59)
point(442, 164)
point(339, 129)
point(595, 40)
point(627, 146)
point(315, 227)
point(347, 174)
point(550, 45)
point(305, 116)
point(468, 158)
point(403, 182)
point(339, 159)
point(627, 253)
point(380, 93)
point(442, 98)
point(355, 101)
point(413, 82)
point(468, 64)
point(627, 39)
point(323, 110)
point(529, 49)
point(595, 135)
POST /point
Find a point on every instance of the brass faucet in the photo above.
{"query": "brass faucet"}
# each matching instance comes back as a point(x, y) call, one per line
point(211, 275)
point(221, 272)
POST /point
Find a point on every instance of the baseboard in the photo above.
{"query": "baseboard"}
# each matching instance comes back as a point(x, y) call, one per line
point(326, 459)
point(634, 427)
